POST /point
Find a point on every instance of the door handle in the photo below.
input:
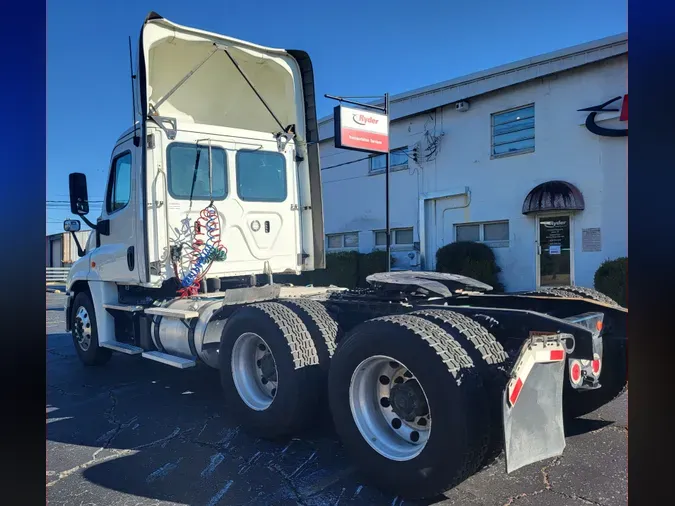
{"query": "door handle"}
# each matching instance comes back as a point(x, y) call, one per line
point(130, 258)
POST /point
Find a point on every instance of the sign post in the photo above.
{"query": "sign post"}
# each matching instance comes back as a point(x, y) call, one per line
point(359, 129)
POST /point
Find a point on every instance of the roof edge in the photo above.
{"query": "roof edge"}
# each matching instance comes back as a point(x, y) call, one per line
point(592, 46)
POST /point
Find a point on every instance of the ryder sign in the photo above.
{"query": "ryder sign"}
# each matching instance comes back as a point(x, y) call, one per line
point(361, 130)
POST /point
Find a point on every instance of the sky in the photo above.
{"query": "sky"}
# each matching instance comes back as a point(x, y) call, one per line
point(380, 46)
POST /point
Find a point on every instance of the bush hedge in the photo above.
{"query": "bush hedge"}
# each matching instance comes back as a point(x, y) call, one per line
point(347, 269)
point(472, 259)
point(610, 279)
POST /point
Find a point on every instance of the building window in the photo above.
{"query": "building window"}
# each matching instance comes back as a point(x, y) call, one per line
point(119, 185)
point(183, 185)
point(399, 237)
point(398, 159)
point(513, 131)
point(349, 240)
point(495, 233)
point(261, 176)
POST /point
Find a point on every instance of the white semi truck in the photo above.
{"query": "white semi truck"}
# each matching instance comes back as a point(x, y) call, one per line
point(217, 187)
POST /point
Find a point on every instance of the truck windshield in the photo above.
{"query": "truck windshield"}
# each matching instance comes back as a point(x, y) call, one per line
point(181, 168)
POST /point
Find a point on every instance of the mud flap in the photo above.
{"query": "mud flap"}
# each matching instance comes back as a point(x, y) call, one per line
point(532, 404)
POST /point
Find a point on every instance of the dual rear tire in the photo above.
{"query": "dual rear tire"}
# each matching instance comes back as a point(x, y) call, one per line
point(391, 382)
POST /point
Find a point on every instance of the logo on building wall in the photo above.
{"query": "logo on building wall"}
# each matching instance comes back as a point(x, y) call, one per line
point(607, 132)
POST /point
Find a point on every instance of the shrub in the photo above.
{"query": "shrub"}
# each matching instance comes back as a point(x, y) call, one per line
point(347, 269)
point(370, 263)
point(472, 259)
point(610, 279)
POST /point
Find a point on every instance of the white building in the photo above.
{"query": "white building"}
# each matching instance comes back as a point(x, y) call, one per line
point(484, 143)
point(62, 250)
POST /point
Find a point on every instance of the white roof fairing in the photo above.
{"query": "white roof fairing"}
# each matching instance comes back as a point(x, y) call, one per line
point(216, 93)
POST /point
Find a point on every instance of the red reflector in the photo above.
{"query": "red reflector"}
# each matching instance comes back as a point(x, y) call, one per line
point(557, 354)
point(598, 325)
point(576, 372)
point(624, 109)
point(516, 391)
point(596, 366)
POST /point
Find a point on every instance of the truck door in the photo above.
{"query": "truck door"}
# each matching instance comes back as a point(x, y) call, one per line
point(116, 257)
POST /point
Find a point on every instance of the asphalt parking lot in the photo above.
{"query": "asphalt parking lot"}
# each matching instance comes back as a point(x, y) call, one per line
point(139, 433)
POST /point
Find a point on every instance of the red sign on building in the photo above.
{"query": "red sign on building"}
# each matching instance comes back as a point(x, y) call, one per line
point(361, 130)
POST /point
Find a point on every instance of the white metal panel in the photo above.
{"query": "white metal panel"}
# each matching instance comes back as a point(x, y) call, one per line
point(56, 252)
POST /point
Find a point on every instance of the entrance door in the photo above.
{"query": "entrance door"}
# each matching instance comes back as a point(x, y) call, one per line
point(554, 251)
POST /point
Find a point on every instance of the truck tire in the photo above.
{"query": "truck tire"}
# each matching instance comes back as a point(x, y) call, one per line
point(85, 332)
point(323, 328)
point(490, 359)
point(368, 395)
point(269, 369)
point(613, 381)
point(589, 293)
point(553, 292)
point(575, 292)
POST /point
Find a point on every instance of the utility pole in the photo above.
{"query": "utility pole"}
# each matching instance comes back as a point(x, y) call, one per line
point(386, 186)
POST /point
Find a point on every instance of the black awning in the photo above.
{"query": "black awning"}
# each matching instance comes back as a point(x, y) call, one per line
point(553, 196)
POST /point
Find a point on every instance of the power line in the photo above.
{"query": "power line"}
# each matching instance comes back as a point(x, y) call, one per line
point(345, 163)
point(68, 201)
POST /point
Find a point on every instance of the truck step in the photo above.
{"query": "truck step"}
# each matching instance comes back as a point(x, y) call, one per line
point(124, 307)
point(172, 313)
point(128, 349)
point(172, 360)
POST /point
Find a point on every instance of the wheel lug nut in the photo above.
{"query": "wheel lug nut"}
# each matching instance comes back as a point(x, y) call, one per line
point(384, 379)
point(396, 423)
point(414, 436)
point(263, 380)
point(384, 402)
point(261, 347)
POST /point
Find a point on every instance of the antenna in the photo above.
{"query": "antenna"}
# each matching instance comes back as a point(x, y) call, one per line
point(133, 93)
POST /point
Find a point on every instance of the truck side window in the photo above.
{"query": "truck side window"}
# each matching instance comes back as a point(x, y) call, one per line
point(261, 176)
point(119, 186)
point(181, 160)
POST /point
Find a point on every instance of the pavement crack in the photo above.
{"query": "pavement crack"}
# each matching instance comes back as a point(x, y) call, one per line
point(288, 480)
point(115, 454)
point(61, 390)
point(579, 498)
point(514, 498)
point(58, 354)
point(544, 472)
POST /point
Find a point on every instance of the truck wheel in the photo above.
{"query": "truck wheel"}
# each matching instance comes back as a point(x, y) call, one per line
point(269, 369)
point(553, 292)
point(589, 293)
point(613, 381)
point(85, 332)
point(321, 325)
point(490, 359)
point(408, 405)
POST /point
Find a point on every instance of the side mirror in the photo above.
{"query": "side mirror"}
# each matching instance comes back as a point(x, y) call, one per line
point(71, 225)
point(79, 200)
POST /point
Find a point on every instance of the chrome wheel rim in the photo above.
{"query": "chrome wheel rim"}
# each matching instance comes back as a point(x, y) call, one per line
point(390, 408)
point(82, 328)
point(254, 371)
